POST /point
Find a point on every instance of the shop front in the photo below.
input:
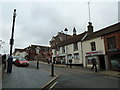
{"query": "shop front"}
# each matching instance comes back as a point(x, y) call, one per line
point(114, 59)
point(99, 56)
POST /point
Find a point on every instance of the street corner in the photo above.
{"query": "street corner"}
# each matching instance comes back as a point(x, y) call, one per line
point(51, 81)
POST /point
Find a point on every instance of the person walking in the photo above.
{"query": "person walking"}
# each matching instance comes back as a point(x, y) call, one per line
point(94, 64)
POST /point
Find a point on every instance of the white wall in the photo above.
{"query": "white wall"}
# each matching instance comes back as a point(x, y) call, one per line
point(87, 47)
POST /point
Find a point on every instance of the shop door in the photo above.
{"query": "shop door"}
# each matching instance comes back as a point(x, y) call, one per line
point(102, 62)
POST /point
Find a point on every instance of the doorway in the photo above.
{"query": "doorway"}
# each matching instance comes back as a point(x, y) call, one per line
point(102, 62)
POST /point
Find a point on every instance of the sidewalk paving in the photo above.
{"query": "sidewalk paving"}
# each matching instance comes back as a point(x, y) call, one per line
point(105, 72)
point(25, 77)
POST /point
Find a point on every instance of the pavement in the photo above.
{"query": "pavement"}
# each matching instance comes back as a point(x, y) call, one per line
point(27, 77)
point(115, 74)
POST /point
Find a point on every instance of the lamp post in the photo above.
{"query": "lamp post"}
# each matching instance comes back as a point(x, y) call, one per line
point(66, 30)
point(37, 52)
point(10, 59)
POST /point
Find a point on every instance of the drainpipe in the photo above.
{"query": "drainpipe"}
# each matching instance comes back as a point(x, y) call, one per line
point(82, 52)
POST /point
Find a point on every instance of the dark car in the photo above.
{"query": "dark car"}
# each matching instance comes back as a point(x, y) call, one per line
point(21, 62)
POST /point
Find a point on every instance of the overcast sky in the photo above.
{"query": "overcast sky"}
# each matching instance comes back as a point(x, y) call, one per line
point(37, 22)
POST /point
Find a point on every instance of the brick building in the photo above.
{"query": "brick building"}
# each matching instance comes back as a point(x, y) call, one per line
point(112, 47)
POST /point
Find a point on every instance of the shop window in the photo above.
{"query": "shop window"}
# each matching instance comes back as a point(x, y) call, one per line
point(93, 46)
point(75, 45)
point(111, 43)
point(115, 62)
point(69, 56)
point(76, 56)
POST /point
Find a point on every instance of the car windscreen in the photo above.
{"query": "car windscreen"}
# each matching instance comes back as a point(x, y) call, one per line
point(15, 57)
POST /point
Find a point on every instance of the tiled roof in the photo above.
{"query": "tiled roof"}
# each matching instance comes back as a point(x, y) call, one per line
point(104, 31)
point(73, 39)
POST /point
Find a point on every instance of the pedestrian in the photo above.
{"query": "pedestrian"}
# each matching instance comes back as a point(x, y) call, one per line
point(48, 60)
point(94, 64)
point(54, 60)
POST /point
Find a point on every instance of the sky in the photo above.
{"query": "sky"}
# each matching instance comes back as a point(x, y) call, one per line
point(37, 21)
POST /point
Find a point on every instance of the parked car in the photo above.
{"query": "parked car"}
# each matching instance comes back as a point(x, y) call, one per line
point(14, 58)
point(21, 62)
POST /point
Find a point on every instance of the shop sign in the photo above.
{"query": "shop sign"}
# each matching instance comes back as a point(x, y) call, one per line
point(94, 53)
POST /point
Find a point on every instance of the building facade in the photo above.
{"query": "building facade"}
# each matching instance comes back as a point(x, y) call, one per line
point(112, 47)
point(104, 45)
point(69, 49)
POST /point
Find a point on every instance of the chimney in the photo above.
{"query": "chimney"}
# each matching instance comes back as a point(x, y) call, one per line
point(74, 31)
point(90, 28)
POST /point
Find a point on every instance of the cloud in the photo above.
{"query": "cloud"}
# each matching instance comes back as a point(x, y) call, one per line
point(37, 22)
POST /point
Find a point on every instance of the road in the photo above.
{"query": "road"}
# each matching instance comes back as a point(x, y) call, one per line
point(25, 77)
point(79, 78)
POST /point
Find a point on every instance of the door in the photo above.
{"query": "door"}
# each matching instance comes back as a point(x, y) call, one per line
point(102, 62)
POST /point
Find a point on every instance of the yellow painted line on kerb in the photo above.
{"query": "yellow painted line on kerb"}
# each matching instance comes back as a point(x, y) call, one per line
point(52, 85)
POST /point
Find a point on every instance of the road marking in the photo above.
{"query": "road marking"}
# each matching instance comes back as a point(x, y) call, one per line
point(52, 85)
point(50, 82)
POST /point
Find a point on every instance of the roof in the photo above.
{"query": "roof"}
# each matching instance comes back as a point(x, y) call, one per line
point(33, 47)
point(73, 39)
point(104, 31)
point(20, 50)
point(60, 37)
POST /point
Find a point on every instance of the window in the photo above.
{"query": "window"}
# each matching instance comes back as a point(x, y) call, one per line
point(111, 43)
point(63, 49)
point(55, 51)
point(75, 45)
point(58, 48)
point(93, 46)
point(76, 56)
point(69, 56)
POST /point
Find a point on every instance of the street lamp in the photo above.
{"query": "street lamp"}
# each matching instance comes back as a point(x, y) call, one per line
point(10, 59)
point(66, 30)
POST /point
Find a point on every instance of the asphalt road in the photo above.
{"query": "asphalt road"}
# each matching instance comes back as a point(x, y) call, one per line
point(79, 78)
point(25, 77)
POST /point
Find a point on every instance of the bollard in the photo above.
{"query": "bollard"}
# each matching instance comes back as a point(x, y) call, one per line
point(70, 65)
point(9, 64)
point(37, 64)
point(52, 69)
point(70, 61)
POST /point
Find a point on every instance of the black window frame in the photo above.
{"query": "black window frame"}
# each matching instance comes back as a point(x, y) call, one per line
point(93, 46)
point(111, 43)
